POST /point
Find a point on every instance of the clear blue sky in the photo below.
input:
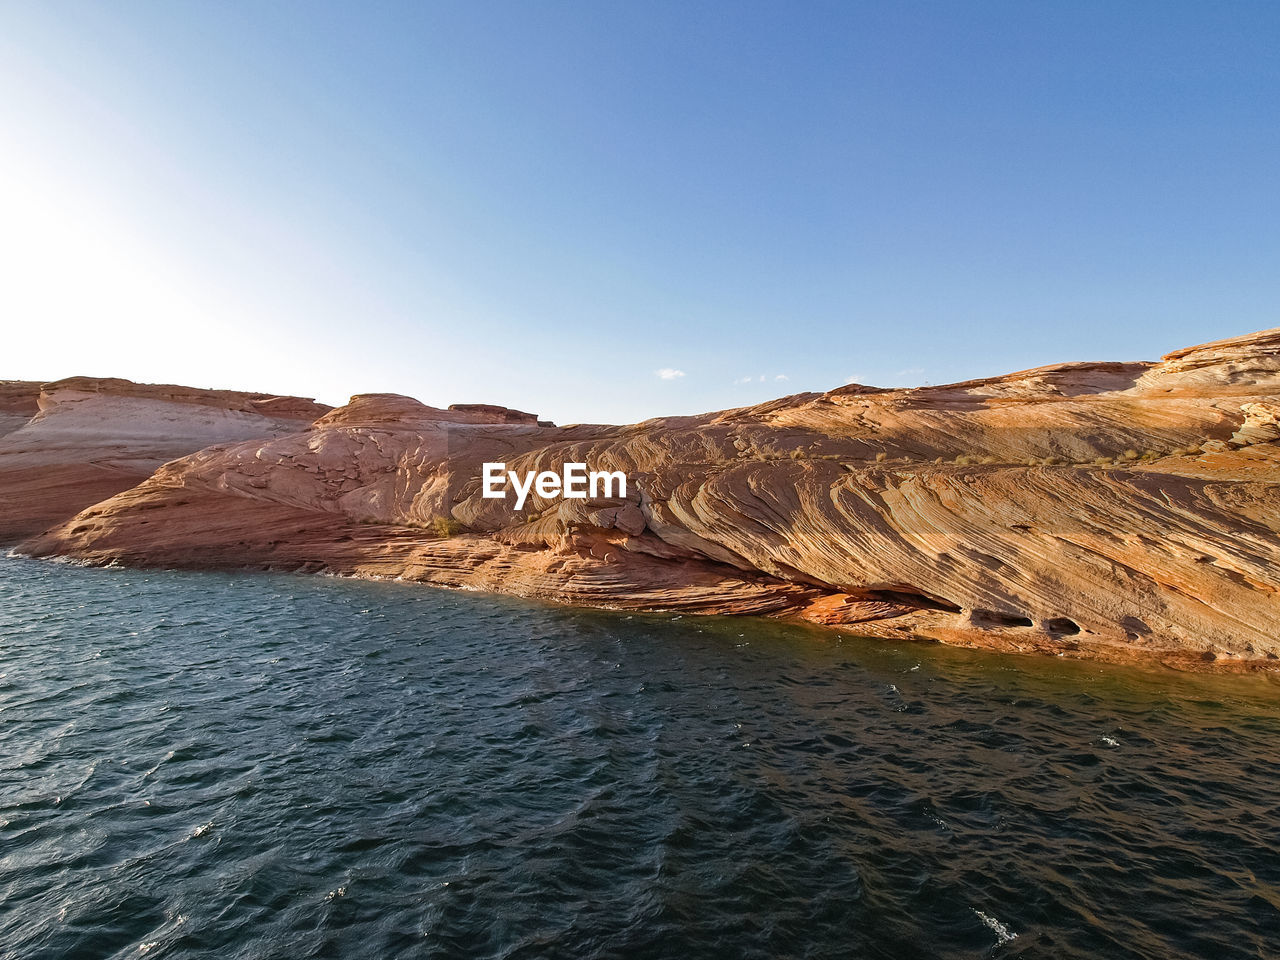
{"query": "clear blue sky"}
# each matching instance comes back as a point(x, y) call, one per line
point(543, 204)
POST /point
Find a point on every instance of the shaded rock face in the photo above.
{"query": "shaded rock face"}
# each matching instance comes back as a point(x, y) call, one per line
point(69, 444)
point(19, 402)
point(1116, 511)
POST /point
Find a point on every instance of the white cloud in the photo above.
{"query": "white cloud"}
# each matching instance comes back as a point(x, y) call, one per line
point(669, 373)
point(782, 376)
point(744, 380)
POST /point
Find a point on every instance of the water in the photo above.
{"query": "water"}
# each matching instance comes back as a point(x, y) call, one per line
point(226, 765)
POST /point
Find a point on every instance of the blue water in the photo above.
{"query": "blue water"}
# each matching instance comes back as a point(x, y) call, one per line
point(226, 765)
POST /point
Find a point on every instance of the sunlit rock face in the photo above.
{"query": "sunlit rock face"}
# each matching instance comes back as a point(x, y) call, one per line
point(1110, 510)
point(69, 444)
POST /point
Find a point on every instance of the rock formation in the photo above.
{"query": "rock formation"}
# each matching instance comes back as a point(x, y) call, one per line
point(69, 444)
point(1118, 511)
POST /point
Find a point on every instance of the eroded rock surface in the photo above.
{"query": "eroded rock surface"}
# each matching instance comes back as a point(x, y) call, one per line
point(1111, 510)
point(69, 444)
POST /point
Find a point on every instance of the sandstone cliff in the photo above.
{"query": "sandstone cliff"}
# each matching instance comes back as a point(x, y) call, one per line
point(69, 444)
point(1109, 510)
point(19, 402)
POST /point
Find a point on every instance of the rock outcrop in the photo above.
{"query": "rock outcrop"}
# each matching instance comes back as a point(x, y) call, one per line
point(1118, 511)
point(72, 443)
point(19, 402)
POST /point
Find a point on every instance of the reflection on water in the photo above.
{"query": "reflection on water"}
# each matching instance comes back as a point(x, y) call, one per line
point(268, 766)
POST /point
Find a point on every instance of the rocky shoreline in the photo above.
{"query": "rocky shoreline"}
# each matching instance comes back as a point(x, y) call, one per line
point(1122, 512)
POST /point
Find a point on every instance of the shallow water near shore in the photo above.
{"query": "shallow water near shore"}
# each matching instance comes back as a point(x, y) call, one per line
point(252, 765)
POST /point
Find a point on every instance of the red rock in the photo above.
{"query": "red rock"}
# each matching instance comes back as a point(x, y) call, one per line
point(1119, 511)
point(77, 441)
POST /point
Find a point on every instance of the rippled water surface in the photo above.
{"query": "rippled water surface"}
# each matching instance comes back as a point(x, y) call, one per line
point(217, 765)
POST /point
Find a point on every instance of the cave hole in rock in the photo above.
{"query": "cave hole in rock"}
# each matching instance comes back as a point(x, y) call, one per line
point(994, 618)
point(1134, 629)
point(910, 598)
point(1062, 625)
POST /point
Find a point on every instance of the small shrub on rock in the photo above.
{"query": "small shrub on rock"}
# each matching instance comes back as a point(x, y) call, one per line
point(446, 527)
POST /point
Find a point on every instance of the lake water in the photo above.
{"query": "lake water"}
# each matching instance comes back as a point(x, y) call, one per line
point(251, 766)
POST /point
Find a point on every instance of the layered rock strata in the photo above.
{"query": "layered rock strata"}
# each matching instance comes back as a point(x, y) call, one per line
point(1120, 511)
point(72, 443)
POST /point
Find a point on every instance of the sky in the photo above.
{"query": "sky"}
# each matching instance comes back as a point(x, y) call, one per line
point(607, 211)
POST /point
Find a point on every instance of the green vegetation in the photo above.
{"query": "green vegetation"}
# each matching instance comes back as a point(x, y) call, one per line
point(446, 527)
